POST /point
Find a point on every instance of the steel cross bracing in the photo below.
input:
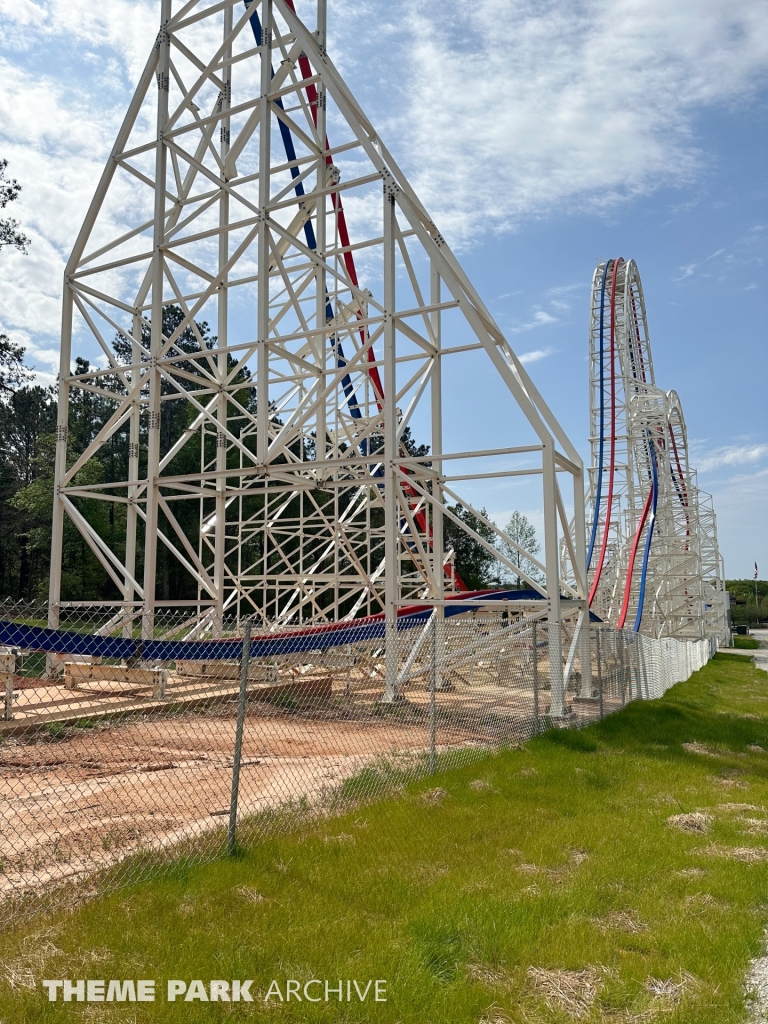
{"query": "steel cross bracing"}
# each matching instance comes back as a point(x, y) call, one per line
point(223, 201)
point(653, 559)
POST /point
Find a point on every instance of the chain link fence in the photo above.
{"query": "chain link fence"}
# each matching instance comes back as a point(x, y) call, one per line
point(121, 754)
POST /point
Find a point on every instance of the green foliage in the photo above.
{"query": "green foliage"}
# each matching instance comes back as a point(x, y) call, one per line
point(744, 611)
point(10, 235)
point(522, 534)
point(556, 856)
point(27, 453)
point(476, 565)
point(27, 447)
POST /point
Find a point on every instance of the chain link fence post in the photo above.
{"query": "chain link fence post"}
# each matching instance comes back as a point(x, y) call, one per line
point(7, 668)
point(237, 754)
point(432, 688)
point(599, 670)
point(535, 659)
point(622, 668)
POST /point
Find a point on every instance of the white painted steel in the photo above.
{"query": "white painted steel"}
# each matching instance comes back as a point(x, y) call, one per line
point(311, 508)
point(684, 589)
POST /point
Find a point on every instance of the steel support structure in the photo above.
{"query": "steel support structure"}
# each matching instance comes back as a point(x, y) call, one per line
point(223, 202)
point(653, 559)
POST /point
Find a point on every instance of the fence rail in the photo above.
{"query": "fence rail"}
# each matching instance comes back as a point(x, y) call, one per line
point(120, 754)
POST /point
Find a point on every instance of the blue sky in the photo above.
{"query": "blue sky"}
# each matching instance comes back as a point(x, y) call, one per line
point(541, 136)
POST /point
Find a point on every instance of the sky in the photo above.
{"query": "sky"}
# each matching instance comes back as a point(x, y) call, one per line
point(542, 135)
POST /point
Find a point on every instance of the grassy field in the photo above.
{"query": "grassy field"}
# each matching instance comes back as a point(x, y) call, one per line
point(615, 874)
point(745, 643)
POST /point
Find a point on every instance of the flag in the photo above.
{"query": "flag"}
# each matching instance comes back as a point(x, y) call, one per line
point(755, 576)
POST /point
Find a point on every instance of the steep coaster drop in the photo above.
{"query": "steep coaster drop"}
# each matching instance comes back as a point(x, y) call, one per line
point(653, 558)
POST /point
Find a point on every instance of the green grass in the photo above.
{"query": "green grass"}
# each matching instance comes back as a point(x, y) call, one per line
point(745, 643)
point(555, 856)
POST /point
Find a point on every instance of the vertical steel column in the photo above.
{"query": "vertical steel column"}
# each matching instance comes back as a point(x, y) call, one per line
point(131, 510)
point(436, 386)
point(552, 563)
point(262, 327)
point(262, 315)
point(582, 586)
point(321, 298)
point(220, 527)
point(156, 336)
point(391, 540)
point(60, 470)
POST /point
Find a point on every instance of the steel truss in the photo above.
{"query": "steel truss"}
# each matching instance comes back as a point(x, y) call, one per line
point(311, 507)
point(653, 558)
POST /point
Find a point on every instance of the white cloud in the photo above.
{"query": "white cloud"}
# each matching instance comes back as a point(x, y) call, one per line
point(535, 356)
point(687, 271)
point(730, 455)
point(740, 503)
point(129, 27)
point(515, 107)
point(539, 319)
point(498, 109)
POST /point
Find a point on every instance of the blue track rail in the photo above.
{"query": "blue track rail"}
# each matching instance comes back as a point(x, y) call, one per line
point(312, 639)
point(599, 489)
point(309, 232)
point(649, 536)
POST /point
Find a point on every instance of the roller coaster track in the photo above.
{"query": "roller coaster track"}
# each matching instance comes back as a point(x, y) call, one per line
point(417, 521)
point(643, 492)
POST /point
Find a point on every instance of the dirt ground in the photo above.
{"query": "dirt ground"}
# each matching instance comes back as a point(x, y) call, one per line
point(90, 798)
point(80, 790)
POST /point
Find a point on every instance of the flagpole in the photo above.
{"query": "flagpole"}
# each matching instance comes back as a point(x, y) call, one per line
point(757, 607)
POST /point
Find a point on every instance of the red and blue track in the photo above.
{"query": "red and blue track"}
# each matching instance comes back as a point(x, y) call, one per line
point(650, 452)
point(419, 511)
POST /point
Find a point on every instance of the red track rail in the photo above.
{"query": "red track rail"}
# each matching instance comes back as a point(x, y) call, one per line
point(612, 467)
point(420, 515)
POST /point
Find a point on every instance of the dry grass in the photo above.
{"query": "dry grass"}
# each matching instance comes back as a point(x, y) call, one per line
point(435, 796)
point(571, 992)
point(755, 826)
point(493, 977)
point(528, 891)
point(729, 783)
point(37, 951)
point(481, 786)
point(107, 1015)
point(495, 1015)
point(697, 821)
point(249, 894)
point(745, 854)
point(622, 921)
point(700, 748)
point(629, 1017)
point(671, 990)
point(342, 837)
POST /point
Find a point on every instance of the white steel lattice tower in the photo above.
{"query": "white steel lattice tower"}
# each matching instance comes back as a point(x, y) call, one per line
point(652, 554)
point(286, 426)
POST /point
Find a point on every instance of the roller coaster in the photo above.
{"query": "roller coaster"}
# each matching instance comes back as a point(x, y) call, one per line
point(653, 558)
point(288, 432)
